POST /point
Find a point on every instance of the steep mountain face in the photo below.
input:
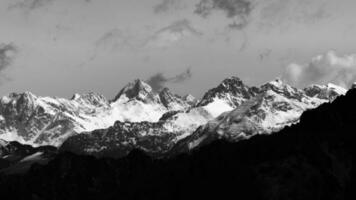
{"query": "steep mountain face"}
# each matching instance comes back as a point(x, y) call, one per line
point(314, 159)
point(261, 110)
point(34, 120)
point(232, 91)
point(174, 102)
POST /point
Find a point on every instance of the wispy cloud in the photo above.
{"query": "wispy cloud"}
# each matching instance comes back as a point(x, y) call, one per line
point(7, 54)
point(158, 81)
point(30, 5)
point(166, 6)
point(115, 39)
point(286, 12)
point(322, 69)
point(172, 34)
point(236, 10)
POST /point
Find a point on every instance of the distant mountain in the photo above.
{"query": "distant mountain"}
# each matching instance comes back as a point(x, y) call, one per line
point(232, 110)
point(312, 159)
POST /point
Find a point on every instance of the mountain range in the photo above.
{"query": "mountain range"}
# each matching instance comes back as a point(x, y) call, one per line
point(159, 123)
point(311, 159)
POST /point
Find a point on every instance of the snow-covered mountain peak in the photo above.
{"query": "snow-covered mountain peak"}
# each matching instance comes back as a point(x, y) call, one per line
point(278, 83)
point(279, 87)
point(91, 98)
point(327, 92)
point(172, 101)
point(25, 96)
point(137, 89)
point(231, 90)
point(232, 81)
point(19, 101)
point(75, 97)
point(190, 99)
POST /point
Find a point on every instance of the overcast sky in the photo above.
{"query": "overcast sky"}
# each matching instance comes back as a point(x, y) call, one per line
point(60, 47)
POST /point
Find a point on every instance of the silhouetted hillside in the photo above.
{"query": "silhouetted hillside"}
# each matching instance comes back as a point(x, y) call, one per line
point(314, 159)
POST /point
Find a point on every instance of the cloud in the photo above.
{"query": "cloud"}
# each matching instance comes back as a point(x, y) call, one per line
point(237, 10)
point(285, 12)
point(159, 80)
point(7, 54)
point(167, 6)
point(265, 54)
point(323, 69)
point(30, 5)
point(115, 39)
point(172, 34)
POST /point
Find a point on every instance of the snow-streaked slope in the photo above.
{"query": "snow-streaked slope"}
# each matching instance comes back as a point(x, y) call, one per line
point(229, 94)
point(278, 105)
point(34, 120)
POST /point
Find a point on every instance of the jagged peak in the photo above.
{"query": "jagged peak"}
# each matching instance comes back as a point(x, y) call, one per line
point(76, 96)
point(328, 92)
point(91, 97)
point(137, 88)
point(276, 83)
point(165, 90)
point(24, 96)
point(189, 98)
point(329, 86)
point(170, 100)
point(229, 89)
point(232, 80)
point(87, 95)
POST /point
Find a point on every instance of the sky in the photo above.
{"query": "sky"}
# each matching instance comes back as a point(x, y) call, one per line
point(62, 47)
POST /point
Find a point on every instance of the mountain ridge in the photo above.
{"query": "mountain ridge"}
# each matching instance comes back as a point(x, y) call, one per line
point(275, 106)
point(161, 117)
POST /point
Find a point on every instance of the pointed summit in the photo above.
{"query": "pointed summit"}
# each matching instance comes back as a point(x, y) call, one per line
point(172, 101)
point(279, 87)
point(25, 99)
point(166, 97)
point(276, 84)
point(137, 89)
point(232, 90)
